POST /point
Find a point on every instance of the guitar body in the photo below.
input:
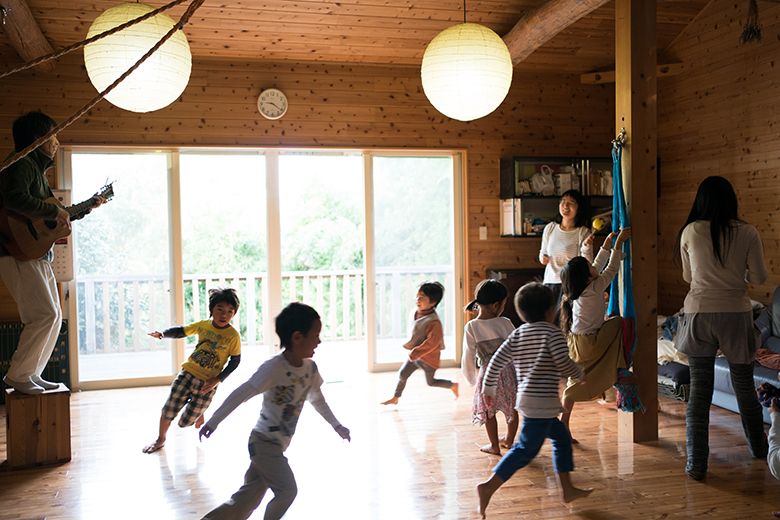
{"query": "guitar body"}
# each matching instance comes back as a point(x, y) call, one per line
point(30, 239)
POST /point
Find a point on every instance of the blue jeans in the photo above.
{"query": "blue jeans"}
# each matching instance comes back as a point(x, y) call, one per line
point(532, 437)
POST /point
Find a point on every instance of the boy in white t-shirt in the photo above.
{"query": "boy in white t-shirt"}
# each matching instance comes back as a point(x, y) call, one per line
point(286, 381)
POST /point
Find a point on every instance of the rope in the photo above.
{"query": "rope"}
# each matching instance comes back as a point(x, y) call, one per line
point(182, 21)
point(75, 46)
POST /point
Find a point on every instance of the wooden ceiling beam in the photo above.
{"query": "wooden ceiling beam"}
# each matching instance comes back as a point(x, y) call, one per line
point(538, 26)
point(597, 78)
point(23, 33)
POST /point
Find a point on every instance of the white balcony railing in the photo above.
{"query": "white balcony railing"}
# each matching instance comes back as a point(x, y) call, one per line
point(116, 312)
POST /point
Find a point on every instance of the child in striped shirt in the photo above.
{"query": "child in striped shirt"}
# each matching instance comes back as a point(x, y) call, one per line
point(540, 355)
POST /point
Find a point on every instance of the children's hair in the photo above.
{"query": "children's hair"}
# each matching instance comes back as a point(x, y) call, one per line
point(433, 290)
point(29, 127)
point(574, 280)
point(223, 295)
point(487, 292)
point(296, 317)
point(715, 201)
point(580, 219)
point(532, 301)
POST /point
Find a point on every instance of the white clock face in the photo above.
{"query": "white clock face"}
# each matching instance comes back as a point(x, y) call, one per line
point(272, 103)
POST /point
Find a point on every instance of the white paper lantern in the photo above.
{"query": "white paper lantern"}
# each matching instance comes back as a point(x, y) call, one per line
point(159, 80)
point(466, 71)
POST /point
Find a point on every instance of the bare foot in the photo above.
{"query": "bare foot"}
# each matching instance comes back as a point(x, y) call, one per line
point(394, 400)
point(485, 490)
point(199, 421)
point(489, 448)
point(156, 445)
point(575, 493)
point(454, 389)
point(505, 443)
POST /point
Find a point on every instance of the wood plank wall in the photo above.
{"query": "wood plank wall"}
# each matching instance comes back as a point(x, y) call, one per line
point(719, 118)
point(341, 105)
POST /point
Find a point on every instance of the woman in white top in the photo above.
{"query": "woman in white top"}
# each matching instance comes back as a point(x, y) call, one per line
point(720, 255)
point(564, 238)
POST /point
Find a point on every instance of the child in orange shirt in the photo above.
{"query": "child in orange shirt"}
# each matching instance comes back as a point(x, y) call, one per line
point(426, 343)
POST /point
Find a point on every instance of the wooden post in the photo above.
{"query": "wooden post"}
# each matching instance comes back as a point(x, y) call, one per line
point(24, 34)
point(635, 110)
point(37, 427)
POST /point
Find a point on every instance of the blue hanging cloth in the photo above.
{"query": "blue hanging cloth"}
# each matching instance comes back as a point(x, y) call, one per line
point(627, 387)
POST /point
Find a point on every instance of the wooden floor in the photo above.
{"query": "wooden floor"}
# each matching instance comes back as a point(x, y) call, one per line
point(417, 460)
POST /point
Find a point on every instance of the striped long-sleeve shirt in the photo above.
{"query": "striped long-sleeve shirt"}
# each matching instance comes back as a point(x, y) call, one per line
point(541, 358)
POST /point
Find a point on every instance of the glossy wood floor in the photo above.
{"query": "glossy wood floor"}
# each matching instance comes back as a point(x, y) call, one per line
point(417, 460)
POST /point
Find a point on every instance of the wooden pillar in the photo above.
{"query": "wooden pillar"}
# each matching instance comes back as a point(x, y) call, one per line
point(635, 110)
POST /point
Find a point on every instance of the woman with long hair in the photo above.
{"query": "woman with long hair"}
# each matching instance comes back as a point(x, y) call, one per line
point(720, 255)
point(564, 238)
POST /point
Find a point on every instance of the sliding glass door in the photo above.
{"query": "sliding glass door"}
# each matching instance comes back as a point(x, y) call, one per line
point(122, 265)
point(224, 241)
point(415, 206)
point(352, 234)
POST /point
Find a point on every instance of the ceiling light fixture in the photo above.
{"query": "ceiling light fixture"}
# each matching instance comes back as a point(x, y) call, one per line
point(466, 71)
point(159, 80)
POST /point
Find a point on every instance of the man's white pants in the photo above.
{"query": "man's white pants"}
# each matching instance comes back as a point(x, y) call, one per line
point(33, 287)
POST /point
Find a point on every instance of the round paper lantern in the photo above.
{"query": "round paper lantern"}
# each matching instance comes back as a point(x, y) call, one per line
point(159, 80)
point(466, 71)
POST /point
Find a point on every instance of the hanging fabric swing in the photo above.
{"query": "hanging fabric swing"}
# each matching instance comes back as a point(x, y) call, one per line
point(627, 388)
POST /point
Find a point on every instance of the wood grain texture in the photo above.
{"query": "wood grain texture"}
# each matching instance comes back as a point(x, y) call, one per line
point(24, 34)
point(540, 25)
point(716, 118)
point(38, 428)
point(419, 460)
point(348, 106)
point(635, 110)
point(364, 31)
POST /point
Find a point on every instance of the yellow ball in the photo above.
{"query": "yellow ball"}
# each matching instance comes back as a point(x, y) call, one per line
point(598, 223)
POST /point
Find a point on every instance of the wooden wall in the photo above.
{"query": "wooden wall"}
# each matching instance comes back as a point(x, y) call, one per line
point(349, 105)
point(719, 118)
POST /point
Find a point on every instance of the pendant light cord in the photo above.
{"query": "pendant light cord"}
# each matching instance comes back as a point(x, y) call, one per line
point(176, 27)
point(464, 11)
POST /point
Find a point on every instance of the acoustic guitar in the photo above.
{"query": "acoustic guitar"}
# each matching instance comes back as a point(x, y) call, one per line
point(30, 239)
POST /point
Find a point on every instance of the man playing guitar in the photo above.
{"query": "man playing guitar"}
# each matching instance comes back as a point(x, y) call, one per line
point(23, 190)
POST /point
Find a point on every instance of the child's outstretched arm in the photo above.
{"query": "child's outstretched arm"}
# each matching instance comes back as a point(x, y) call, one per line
point(214, 381)
point(434, 336)
point(559, 351)
point(260, 381)
point(172, 333)
point(624, 235)
point(317, 400)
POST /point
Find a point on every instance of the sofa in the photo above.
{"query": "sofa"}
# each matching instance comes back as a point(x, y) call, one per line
point(768, 323)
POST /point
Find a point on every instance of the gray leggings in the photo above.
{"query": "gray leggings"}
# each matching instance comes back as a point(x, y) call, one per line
point(408, 369)
point(698, 412)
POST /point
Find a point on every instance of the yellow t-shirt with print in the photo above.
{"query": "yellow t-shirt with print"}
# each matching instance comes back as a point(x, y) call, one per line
point(214, 348)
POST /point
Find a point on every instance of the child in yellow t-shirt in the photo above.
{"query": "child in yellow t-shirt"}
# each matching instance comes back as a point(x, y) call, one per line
point(196, 384)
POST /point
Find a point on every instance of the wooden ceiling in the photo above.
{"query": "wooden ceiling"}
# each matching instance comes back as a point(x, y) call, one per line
point(368, 31)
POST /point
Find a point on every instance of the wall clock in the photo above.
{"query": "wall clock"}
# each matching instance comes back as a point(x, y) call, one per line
point(272, 103)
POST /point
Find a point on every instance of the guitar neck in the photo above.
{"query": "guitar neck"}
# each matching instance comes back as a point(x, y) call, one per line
point(77, 211)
